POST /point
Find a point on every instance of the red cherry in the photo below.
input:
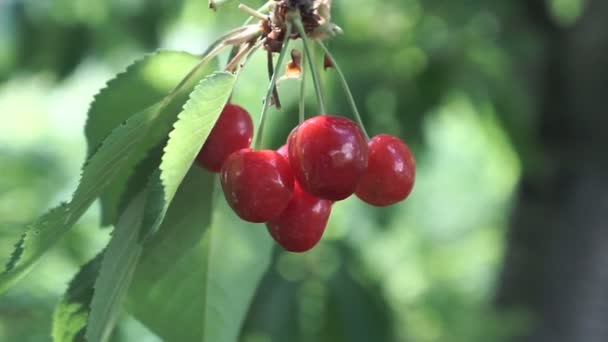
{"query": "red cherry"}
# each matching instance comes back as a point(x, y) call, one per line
point(300, 227)
point(391, 172)
point(232, 132)
point(284, 151)
point(257, 184)
point(328, 155)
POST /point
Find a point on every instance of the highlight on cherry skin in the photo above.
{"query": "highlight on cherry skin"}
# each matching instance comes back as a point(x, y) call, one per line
point(328, 155)
point(233, 131)
point(301, 225)
point(257, 184)
point(284, 151)
point(390, 174)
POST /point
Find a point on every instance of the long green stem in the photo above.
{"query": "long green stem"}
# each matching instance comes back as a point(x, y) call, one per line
point(313, 69)
point(236, 59)
point(251, 52)
point(345, 86)
point(212, 51)
point(262, 9)
point(302, 111)
point(273, 82)
point(222, 39)
point(253, 13)
point(207, 57)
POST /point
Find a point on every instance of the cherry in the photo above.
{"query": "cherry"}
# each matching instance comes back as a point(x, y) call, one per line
point(284, 151)
point(328, 155)
point(257, 184)
point(390, 174)
point(300, 227)
point(232, 132)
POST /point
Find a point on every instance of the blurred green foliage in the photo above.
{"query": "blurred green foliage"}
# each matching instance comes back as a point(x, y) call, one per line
point(438, 74)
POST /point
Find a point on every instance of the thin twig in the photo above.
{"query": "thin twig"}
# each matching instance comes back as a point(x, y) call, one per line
point(260, 135)
point(244, 62)
point(234, 62)
point(315, 75)
point(252, 12)
point(262, 9)
point(345, 86)
point(223, 38)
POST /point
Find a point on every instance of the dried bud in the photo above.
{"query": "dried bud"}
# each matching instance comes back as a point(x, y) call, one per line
point(294, 69)
point(327, 63)
point(323, 10)
point(214, 4)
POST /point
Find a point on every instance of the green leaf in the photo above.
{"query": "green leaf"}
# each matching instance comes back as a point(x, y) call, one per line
point(140, 178)
point(142, 84)
point(125, 147)
point(197, 276)
point(194, 284)
point(185, 141)
point(112, 157)
point(71, 314)
point(117, 268)
point(163, 267)
point(191, 130)
point(237, 254)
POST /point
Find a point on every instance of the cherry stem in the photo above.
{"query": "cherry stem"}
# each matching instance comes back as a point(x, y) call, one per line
point(260, 10)
point(214, 49)
point(264, 8)
point(313, 69)
point(273, 81)
point(253, 13)
point(206, 58)
point(346, 87)
point(245, 60)
point(302, 111)
point(234, 62)
point(222, 39)
point(241, 65)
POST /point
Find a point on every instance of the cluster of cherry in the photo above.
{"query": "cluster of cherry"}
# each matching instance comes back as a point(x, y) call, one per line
point(326, 159)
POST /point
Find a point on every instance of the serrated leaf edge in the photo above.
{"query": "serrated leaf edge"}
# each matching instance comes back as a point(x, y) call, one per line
point(186, 108)
point(117, 77)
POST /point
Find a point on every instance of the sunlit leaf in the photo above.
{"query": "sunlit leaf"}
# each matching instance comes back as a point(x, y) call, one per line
point(125, 147)
point(196, 276)
point(112, 157)
point(142, 84)
point(185, 141)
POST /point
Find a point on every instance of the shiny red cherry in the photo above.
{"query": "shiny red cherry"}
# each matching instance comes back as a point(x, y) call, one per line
point(300, 227)
point(232, 132)
point(328, 155)
point(284, 151)
point(257, 184)
point(391, 171)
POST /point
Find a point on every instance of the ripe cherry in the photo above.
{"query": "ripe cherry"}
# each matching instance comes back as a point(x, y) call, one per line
point(390, 174)
point(284, 151)
point(232, 132)
point(300, 227)
point(328, 155)
point(257, 184)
